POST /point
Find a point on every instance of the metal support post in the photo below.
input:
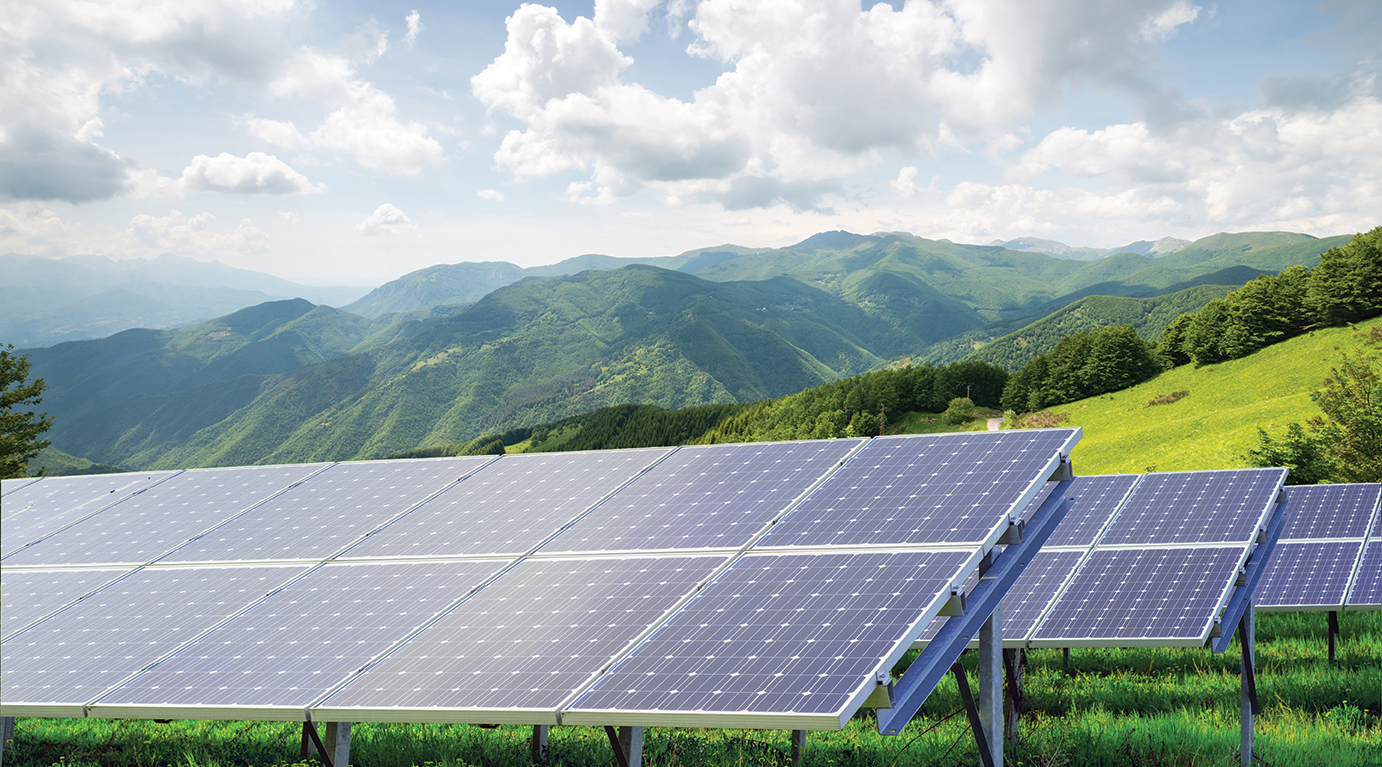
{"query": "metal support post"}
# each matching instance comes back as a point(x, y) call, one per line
point(1333, 632)
point(337, 740)
point(798, 746)
point(627, 743)
point(6, 734)
point(1248, 705)
point(972, 711)
point(1013, 700)
point(991, 676)
point(310, 735)
point(541, 751)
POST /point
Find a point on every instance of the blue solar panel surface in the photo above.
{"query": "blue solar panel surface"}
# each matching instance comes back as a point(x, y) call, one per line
point(510, 506)
point(711, 496)
point(942, 489)
point(8, 486)
point(1096, 499)
point(1153, 595)
point(38, 510)
point(528, 639)
point(77, 654)
point(1329, 511)
point(142, 528)
point(328, 511)
point(1307, 574)
point(1367, 585)
point(27, 595)
point(296, 645)
point(798, 633)
point(1196, 507)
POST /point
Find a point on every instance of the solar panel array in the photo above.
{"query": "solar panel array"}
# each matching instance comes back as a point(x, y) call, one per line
point(504, 590)
point(1322, 560)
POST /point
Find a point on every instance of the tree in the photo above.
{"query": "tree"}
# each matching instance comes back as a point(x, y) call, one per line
point(1351, 429)
point(1303, 454)
point(961, 409)
point(19, 430)
point(1344, 285)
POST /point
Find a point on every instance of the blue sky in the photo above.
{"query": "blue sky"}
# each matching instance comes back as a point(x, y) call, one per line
point(351, 142)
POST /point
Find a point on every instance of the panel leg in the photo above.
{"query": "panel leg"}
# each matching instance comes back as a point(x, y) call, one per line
point(631, 741)
point(1013, 663)
point(798, 746)
point(6, 734)
point(1333, 632)
point(336, 738)
point(540, 748)
point(991, 683)
point(1246, 671)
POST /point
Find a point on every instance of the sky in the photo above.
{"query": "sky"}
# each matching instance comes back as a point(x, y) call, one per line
point(347, 143)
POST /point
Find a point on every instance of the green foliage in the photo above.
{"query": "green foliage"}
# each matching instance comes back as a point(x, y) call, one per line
point(960, 410)
point(1082, 365)
point(1351, 429)
point(20, 430)
point(1300, 452)
point(1346, 286)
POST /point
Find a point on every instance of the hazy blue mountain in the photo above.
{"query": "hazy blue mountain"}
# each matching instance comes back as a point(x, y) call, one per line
point(1161, 247)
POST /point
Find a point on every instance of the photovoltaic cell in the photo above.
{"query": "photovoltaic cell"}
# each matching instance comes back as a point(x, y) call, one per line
point(1096, 499)
point(72, 657)
point(508, 507)
point(935, 488)
point(1024, 602)
point(1307, 574)
point(27, 595)
point(141, 528)
point(1329, 511)
point(36, 510)
point(8, 486)
point(293, 647)
point(325, 513)
point(711, 496)
point(782, 634)
point(1142, 596)
point(1196, 507)
point(522, 644)
point(1367, 585)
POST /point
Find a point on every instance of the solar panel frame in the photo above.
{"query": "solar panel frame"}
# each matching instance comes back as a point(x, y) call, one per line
point(29, 596)
point(669, 492)
point(881, 473)
point(1330, 512)
point(146, 604)
point(569, 580)
point(8, 486)
point(143, 527)
point(36, 512)
point(1139, 521)
point(1365, 593)
point(1291, 582)
point(272, 660)
point(667, 657)
point(498, 494)
point(1221, 561)
point(319, 516)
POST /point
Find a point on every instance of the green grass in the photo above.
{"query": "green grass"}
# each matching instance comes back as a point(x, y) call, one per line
point(1141, 706)
point(1217, 423)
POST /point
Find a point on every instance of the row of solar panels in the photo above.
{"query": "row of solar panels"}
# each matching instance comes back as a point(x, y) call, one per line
point(1088, 588)
point(400, 591)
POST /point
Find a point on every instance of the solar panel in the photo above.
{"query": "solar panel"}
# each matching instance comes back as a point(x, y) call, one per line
point(779, 639)
point(1366, 593)
point(28, 595)
point(1132, 597)
point(1196, 507)
point(521, 645)
point(275, 658)
point(8, 486)
point(1307, 575)
point(1329, 511)
point(34, 511)
point(926, 489)
point(510, 506)
point(1097, 498)
point(328, 511)
point(55, 666)
point(711, 496)
point(143, 527)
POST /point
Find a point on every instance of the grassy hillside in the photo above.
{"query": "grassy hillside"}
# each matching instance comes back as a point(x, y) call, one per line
point(1217, 423)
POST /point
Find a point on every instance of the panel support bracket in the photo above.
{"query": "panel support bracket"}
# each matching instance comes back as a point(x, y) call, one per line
point(627, 743)
point(972, 710)
point(1241, 598)
point(1333, 632)
point(309, 734)
point(941, 652)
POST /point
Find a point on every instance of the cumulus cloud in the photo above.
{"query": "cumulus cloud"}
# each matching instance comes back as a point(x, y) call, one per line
point(386, 219)
point(255, 173)
point(490, 194)
point(415, 28)
point(1165, 24)
point(905, 183)
point(176, 232)
point(814, 90)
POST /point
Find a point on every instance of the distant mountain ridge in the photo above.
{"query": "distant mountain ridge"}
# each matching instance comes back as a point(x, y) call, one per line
point(1162, 247)
point(49, 301)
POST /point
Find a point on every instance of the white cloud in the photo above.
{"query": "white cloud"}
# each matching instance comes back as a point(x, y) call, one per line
point(415, 28)
point(815, 89)
point(386, 219)
point(255, 173)
point(288, 217)
point(1164, 24)
point(905, 183)
point(490, 194)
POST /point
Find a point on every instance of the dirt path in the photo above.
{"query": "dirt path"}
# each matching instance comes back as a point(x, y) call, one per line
point(994, 423)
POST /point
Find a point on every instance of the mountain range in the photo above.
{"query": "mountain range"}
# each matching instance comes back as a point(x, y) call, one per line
point(288, 381)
